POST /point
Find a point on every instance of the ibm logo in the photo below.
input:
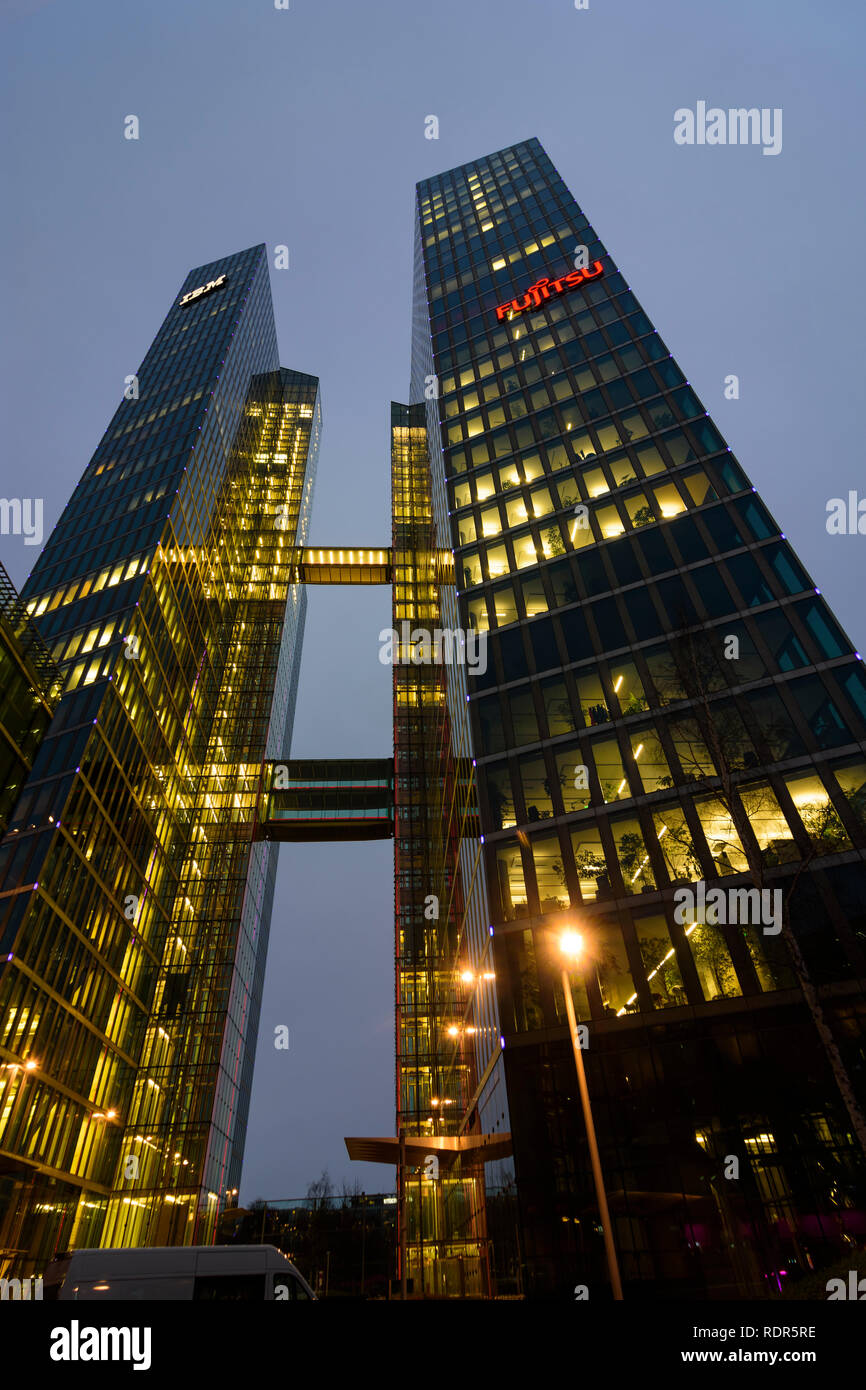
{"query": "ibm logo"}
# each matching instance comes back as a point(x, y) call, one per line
point(203, 289)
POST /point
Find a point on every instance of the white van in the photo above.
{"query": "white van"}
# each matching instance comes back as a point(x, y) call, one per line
point(177, 1273)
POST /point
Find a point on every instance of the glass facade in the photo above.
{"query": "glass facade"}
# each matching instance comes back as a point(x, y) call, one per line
point(135, 894)
point(668, 704)
point(447, 1035)
point(29, 691)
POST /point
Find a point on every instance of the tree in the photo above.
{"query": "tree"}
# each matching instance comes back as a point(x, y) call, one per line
point(321, 1191)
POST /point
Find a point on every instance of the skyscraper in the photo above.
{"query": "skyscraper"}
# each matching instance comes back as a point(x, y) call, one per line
point(670, 737)
point(135, 892)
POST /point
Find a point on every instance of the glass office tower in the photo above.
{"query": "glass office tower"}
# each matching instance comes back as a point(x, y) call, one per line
point(135, 891)
point(448, 1072)
point(669, 708)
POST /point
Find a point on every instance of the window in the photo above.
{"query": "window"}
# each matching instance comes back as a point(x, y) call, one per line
point(677, 844)
point(828, 638)
point(606, 949)
point(512, 885)
point(234, 1288)
point(536, 788)
point(553, 893)
point(851, 776)
point(724, 843)
point(668, 501)
point(784, 646)
point(691, 750)
point(634, 860)
point(490, 723)
point(504, 604)
point(573, 779)
point(627, 687)
point(818, 814)
point(610, 771)
point(500, 796)
point(663, 977)
point(716, 974)
point(534, 598)
point(477, 611)
point(523, 716)
point(590, 863)
point(824, 720)
point(771, 829)
point(650, 759)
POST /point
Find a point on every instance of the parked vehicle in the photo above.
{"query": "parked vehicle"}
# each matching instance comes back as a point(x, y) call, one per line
point(177, 1273)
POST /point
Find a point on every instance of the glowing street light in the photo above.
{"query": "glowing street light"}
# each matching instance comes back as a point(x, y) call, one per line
point(571, 945)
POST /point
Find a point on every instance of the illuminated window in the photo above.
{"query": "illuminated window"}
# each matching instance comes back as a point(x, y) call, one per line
point(606, 951)
point(512, 885)
point(677, 844)
point(640, 513)
point(592, 699)
point(549, 873)
point(525, 553)
point(668, 501)
point(573, 779)
point(651, 461)
point(715, 969)
point(663, 977)
point(609, 522)
point(541, 502)
point(500, 796)
point(515, 511)
point(634, 861)
point(552, 543)
point(477, 608)
point(590, 863)
point(818, 814)
point(594, 482)
point(627, 687)
point(700, 488)
point(611, 773)
point(536, 788)
point(724, 842)
point(649, 757)
point(497, 561)
point(851, 776)
point(504, 604)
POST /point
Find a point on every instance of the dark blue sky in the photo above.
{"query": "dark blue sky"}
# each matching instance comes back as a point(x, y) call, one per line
point(306, 127)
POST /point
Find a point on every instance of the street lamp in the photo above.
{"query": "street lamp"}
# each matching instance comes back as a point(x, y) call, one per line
point(571, 945)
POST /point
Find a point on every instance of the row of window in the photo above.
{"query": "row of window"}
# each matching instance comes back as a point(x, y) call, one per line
point(743, 651)
point(750, 579)
point(681, 841)
point(640, 961)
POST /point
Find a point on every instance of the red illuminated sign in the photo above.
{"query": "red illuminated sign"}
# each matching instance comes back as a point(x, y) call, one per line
point(545, 288)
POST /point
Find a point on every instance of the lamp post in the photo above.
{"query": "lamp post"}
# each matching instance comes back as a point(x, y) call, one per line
point(571, 945)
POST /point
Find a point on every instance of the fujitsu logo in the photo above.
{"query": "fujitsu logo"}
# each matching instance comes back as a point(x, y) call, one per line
point(203, 289)
point(545, 288)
